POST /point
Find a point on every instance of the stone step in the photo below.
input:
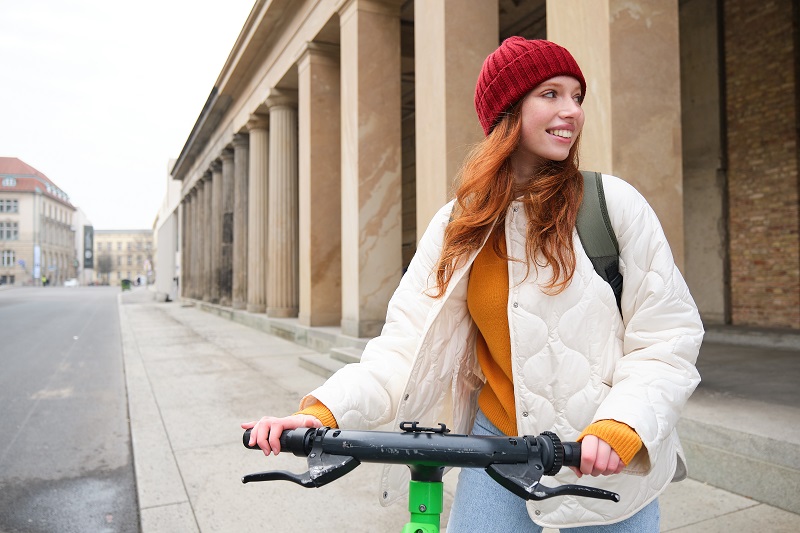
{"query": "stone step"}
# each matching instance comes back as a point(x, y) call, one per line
point(321, 364)
point(744, 447)
point(346, 354)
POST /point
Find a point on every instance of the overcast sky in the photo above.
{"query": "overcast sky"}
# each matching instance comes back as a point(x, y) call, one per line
point(99, 95)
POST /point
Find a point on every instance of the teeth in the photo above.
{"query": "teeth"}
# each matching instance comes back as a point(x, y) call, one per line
point(562, 133)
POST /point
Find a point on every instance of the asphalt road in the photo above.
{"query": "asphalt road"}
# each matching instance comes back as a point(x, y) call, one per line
point(65, 453)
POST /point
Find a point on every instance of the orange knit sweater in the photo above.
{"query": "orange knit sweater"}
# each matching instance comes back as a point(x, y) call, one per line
point(487, 299)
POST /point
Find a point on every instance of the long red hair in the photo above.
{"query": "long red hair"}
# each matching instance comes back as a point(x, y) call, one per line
point(486, 188)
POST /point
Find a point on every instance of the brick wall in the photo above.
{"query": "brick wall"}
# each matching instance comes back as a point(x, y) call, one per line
point(762, 148)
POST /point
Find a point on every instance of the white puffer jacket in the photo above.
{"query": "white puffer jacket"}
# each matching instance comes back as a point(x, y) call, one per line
point(575, 360)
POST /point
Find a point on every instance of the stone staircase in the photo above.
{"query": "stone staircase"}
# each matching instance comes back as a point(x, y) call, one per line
point(326, 364)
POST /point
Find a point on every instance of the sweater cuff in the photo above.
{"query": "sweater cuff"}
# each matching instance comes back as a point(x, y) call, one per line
point(321, 413)
point(621, 437)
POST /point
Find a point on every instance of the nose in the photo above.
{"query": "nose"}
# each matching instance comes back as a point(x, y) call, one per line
point(570, 108)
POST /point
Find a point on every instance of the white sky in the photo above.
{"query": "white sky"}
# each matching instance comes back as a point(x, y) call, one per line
point(99, 95)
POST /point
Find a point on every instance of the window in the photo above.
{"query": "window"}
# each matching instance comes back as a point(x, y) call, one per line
point(130, 259)
point(129, 247)
point(9, 231)
point(119, 260)
point(9, 182)
point(8, 258)
point(119, 246)
point(138, 259)
point(9, 206)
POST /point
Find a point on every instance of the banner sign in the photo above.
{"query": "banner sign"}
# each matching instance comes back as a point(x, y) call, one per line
point(88, 247)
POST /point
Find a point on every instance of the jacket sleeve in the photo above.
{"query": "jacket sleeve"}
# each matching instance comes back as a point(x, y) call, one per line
point(365, 395)
point(654, 378)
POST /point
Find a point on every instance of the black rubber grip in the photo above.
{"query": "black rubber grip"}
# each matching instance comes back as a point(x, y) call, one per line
point(572, 454)
point(246, 440)
point(296, 441)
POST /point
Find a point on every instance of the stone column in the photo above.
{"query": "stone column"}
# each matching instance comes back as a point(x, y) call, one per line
point(226, 233)
point(282, 275)
point(456, 36)
point(257, 214)
point(206, 236)
point(319, 167)
point(633, 122)
point(215, 229)
point(186, 223)
point(199, 276)
point(241, 143)
point(371, 162)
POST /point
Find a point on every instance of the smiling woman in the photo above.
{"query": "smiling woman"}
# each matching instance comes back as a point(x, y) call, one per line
point(502, 326)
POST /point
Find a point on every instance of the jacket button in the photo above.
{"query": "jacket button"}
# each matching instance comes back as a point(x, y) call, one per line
point(537, 512)
point(516, 209)
point(525, 413)
point(516, 305)
point(405, 397)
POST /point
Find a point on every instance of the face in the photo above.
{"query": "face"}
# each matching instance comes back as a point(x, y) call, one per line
point(552, 118)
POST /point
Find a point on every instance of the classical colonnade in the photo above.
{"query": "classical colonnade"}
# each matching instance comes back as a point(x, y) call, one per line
point(293, 178)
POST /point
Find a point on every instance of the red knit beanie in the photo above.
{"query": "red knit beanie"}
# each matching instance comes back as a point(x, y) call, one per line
point(513, 70)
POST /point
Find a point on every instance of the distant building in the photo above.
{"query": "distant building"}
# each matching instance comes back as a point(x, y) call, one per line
point(37, 236)
point(123, 254)
point(166, 231)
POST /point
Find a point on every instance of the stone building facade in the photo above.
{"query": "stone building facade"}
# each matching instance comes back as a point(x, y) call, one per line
point(336, 127)
point(37, 235)
point(123, 254)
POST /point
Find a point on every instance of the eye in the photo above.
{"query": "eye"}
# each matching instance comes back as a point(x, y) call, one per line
point(578, 99)
point(549, 94)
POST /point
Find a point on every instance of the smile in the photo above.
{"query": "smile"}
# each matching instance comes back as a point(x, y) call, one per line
point(566, 134)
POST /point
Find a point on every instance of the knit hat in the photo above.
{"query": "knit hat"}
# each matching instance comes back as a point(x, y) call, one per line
point(513, 70)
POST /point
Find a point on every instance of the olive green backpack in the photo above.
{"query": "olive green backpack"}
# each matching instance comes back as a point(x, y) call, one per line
point(596, 234)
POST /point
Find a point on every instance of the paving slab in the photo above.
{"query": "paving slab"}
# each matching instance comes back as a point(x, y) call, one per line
point(193, 376)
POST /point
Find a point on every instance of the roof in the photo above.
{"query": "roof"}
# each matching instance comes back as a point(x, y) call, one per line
point(28, 179)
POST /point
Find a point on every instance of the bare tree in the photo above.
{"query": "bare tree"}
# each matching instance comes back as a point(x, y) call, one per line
point(105, 263)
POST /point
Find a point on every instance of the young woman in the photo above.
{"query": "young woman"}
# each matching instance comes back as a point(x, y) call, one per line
point(502, 326)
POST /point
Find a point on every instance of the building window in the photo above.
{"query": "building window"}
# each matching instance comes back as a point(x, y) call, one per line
point(130, 259)
point(129, 247)
point(119, 246)
point(8, 258)
point(138, 259)
point(9, 182)
point(9, 206)
point(9, 231)
point(119, 260)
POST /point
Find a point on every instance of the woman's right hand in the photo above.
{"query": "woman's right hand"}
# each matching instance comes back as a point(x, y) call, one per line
point(266, 433)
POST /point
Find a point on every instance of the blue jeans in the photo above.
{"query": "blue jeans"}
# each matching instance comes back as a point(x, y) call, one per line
point(481, 504)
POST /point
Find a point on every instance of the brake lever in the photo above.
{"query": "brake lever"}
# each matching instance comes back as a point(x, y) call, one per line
point(322, 469)
point(280, 475)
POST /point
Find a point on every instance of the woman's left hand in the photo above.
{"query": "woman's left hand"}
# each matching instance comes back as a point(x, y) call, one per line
point(598, 458)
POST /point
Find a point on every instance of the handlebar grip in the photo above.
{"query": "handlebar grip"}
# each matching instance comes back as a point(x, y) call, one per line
point(572, 453)
point(246, 440)
point(297, 441)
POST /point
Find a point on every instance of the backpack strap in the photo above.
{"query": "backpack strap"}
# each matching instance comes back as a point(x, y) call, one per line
point(597, 235)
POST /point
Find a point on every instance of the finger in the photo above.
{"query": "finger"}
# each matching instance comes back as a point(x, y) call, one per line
point(601, 461)
point(576, 471)
point(248, 425)
point(588, 453)
point(275, 437)
point(613, 463)
point(262, 438)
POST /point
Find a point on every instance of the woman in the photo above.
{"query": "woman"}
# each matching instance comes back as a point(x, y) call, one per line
point(502, 326)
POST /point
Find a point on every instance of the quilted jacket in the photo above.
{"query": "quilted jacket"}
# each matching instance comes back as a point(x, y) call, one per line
point(575, 360)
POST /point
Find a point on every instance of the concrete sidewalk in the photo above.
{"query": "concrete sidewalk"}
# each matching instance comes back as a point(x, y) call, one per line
point(193, 377)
